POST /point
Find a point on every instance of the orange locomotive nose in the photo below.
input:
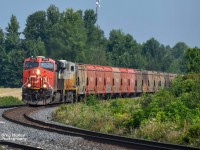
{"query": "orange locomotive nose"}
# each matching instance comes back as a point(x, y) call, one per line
point(35, 82)
point(38, 80)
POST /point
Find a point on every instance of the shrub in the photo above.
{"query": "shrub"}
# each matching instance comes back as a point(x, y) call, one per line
point(1, 148)
point(193, 76)
point(176, 111)
point(158, 131)
point(146, 100)
point(193, 136)
point(118, 106)
point(91, 100)
point(181, 85)
point(194, 131)
point(135, 120)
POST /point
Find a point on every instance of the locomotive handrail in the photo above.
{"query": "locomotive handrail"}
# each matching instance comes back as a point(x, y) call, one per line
point(25, 83)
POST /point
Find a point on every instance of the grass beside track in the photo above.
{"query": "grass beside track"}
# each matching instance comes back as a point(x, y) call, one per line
point(9, 100)
point(10, 96)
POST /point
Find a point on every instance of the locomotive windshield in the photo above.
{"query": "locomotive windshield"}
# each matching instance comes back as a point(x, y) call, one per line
point(29, 65)
point(47, 65)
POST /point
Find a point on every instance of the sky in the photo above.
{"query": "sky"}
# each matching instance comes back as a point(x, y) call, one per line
point(168, 21)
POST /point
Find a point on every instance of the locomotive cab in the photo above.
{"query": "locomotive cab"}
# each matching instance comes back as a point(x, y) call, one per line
point(38, 80)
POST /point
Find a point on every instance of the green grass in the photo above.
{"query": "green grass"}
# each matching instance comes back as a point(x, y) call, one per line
point(9, 100)
point(1, 148)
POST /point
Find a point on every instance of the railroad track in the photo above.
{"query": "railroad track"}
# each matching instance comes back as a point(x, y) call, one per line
point(11, 106)
point(20, 146)
point(22, 116)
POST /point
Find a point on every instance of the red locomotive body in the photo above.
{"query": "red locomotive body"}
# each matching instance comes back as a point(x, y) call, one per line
point(38, 80)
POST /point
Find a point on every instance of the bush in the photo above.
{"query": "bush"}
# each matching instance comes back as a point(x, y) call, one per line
point(1, 148)
point(118, 106)
point(177, 112)
point(194, 131)
point(158, 131)
point(91, 100)
point(193, 136)
point(135, 120)
point(193, 76)
point(181, 85)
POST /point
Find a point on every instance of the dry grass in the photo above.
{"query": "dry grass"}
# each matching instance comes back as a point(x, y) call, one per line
point(15, 92)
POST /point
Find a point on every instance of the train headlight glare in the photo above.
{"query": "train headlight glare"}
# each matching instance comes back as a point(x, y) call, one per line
point(44, 86)
point(29, 85)
point(38, 71)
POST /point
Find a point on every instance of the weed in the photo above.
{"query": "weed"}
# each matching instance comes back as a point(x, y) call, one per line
point(9, 100)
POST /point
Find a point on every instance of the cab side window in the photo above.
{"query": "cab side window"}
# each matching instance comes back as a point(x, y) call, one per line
point(72, 68)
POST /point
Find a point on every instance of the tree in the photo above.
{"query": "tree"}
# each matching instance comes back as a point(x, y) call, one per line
point(13, 69)
point(158, 57)
point(12, 41)
point(33, 47)
point(2, 38)
point(95, 36)
point(191, 60)
point(98, 56)
point(36, 26)
point(67, 37)
point(116, 46)
point(2, 56)
point(179, 49)
point(53, 15)
point(89, 19)
point(12, 57)
point(123, 50)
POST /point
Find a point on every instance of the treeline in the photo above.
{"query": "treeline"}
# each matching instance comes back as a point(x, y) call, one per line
point(74, 36)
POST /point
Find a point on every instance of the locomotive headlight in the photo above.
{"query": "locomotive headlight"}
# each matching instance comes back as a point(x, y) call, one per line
point(29, 85)
point(44, 86)
point(38, 71)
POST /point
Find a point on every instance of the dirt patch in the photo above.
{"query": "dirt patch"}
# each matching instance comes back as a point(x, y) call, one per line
point(15, 92)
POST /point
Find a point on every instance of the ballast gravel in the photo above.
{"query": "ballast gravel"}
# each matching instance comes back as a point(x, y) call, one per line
point(46, 140)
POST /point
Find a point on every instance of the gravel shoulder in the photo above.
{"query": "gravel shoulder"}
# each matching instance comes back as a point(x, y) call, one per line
point(47, 140)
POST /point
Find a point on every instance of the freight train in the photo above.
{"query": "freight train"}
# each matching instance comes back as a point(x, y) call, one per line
point(47, 81)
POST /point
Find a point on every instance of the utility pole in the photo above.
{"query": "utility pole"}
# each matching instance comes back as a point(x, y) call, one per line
point(97, 7)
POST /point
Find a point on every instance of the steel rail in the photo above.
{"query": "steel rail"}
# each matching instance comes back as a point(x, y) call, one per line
point(21, 146)
point(12, 106)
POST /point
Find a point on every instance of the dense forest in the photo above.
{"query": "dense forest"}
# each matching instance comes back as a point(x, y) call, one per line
point(75, 36)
